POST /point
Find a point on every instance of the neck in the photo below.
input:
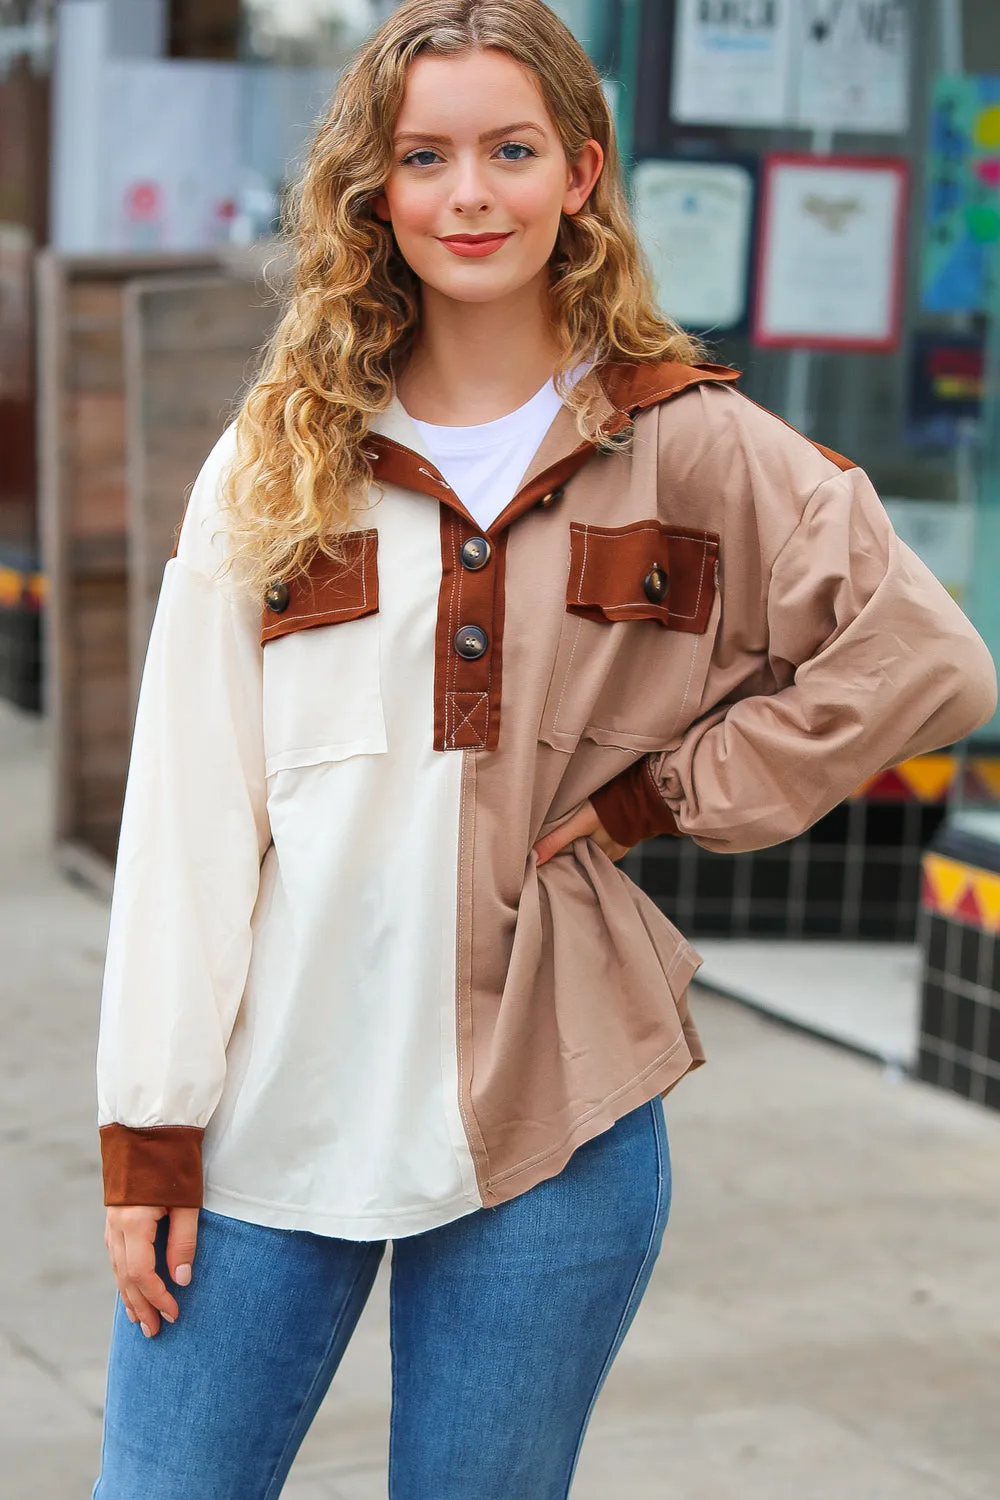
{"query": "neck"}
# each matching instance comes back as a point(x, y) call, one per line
point(472, 362)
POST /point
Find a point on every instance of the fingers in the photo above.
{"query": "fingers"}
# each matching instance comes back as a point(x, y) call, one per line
point(130, 1238)
point(137, 1308)
point(115, 1242)
point(182, 1243)
point(134, 1274)
point(145, 1289)
point(579, 825)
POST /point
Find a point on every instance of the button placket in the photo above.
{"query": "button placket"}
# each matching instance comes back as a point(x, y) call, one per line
point(471, 642)
point(475, 553)
point(468, 640)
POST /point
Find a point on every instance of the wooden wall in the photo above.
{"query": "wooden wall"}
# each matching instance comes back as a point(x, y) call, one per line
point(85, 510)
point(190, 347)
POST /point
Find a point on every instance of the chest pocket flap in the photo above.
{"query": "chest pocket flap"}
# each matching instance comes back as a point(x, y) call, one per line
point(642, 612)
point(322, 686)
point(646, 571)
point(333, 590)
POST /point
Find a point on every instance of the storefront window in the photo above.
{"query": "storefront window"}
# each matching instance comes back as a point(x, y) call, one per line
point(293, 51)
point(307, 33)
point(906, 411)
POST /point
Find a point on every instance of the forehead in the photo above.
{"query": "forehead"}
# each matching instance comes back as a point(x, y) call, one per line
point(470, 92)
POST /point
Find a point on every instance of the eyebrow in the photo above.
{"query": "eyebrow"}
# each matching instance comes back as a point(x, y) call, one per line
point(487, 135)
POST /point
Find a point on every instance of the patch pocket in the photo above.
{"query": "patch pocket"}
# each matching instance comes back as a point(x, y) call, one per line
point(627, 671)
point(322, 671)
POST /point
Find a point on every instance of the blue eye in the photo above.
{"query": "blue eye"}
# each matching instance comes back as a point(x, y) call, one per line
point(424, 153)
point(515, 146)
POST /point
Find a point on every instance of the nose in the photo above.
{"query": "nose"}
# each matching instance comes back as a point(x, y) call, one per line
point(470, 194)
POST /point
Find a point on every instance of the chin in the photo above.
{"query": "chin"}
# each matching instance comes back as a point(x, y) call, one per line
point(475, 295)
point(479, 284)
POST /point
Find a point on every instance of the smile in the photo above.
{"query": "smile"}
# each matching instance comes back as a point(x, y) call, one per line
point(474, 244)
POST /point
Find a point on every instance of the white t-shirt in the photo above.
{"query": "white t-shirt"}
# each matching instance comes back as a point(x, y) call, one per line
point(484, 464)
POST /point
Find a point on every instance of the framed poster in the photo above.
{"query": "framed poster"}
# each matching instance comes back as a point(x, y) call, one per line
point(853, 65)
point(831, 252)
point(695, 222)
point(962, 217)
point(731, 62)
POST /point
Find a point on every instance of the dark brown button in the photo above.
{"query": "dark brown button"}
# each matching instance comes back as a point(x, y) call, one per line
point(475, 553)
point(655, 584)
point(276, 597)
point(471, 642)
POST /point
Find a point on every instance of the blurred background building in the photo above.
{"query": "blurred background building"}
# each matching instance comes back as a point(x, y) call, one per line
point(817, 185)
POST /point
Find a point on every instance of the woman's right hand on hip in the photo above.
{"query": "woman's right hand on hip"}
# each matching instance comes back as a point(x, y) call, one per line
point(129, 1235)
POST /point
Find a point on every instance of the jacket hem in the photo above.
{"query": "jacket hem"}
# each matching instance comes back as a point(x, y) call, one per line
point(659, 1078)
point(359, 1227)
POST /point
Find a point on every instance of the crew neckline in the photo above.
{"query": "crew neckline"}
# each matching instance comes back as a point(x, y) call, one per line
point(461, 438)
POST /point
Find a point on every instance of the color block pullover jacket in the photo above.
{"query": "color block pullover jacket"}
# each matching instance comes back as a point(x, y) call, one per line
point(341, 994)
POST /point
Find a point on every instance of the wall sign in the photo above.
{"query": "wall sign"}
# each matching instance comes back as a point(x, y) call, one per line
point(815, 64)
point(852, 65)
point(172, 187)
point(962, 222)
point(731, 62)
point(695, 221)
point(830, 266)
point(942, 534)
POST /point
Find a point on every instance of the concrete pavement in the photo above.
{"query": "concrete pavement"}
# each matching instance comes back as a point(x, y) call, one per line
point(824, 1323)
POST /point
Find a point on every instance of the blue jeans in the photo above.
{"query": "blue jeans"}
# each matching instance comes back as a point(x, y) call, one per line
point(504, 1326)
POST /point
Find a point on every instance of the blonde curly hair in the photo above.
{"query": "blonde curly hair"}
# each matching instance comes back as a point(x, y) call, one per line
point(300, 473)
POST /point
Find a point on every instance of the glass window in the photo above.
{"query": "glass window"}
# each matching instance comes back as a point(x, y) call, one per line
point(308, 33)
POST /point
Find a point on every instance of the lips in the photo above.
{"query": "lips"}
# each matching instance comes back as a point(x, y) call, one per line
point(474, 244)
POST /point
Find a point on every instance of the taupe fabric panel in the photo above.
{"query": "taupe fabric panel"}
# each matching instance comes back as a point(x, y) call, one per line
point(572, 983)
point(828, 652)
point(846, 653)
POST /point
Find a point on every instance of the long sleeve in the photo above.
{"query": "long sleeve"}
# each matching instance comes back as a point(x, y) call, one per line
point(877, 663)
point(194, 830)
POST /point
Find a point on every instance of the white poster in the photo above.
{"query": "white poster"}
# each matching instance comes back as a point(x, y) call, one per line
point(731, 62)
point(173, 151)
point(852, 65)
point(942, 534)
point(831, 247)
point(695, 222)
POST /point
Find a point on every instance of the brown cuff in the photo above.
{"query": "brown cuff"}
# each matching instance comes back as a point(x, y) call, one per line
point(630, 807)
point(156, 1166)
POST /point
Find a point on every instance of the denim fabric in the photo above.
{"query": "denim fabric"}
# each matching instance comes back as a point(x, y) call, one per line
point(504, 1325)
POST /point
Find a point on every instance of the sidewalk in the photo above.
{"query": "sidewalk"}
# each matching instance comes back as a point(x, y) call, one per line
point(824, 1323)
point(864, 995)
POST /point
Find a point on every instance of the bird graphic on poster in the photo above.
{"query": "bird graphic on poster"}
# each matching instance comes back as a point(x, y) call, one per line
point(821, 28)
point(833, 213)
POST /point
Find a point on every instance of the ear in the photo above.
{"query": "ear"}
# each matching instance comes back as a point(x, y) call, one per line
point(582, 176)
point(380, 204)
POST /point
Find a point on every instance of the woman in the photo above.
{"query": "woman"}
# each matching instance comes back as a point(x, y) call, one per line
point(489, 581)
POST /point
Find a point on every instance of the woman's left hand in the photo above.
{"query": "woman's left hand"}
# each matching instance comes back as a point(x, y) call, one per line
point(583, 824)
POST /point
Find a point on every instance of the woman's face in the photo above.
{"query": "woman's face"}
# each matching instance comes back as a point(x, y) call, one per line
point(479, 176)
